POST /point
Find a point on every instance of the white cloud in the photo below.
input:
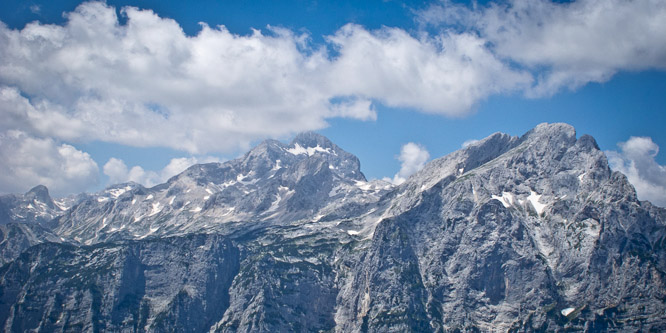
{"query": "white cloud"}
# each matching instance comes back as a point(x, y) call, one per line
point(26, 161)
point(361, 109)
point(145, 83)
point(566, 45)
point(413, 157)
point(118, 172)
point(636, 160)
point(447, 73)
point(148, 84)
point(468, 143)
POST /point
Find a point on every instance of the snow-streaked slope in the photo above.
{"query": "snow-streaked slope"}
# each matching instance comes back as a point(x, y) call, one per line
point(309, 179)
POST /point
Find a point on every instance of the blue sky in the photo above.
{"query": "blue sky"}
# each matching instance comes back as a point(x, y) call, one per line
point(97, 93)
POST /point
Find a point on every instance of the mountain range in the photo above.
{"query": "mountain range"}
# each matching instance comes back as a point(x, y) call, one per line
point(530, 233)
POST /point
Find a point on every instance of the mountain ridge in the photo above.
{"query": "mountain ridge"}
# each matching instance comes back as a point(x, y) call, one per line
point(510, 233)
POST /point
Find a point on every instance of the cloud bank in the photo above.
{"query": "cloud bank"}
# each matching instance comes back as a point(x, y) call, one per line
point(145, 83)
point(565, 45)
point(636, 159)
point(118, 172)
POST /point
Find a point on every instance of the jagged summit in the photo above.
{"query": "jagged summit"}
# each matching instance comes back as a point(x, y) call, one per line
point(312, 139)
point(339, 160)
point(272, 155)
point(40, 193)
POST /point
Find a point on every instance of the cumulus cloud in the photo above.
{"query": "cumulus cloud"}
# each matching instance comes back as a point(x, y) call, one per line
point(447, 73)
point(413, 158)
point(636, 159)
point(26, 161)
point(141, 81)
point(148, 84)
point(145, 83)
point(118, 172)
point(565, 45)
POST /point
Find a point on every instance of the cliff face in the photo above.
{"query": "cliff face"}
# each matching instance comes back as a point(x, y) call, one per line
point(540, 236)
point(529, 233)
point(167, 284)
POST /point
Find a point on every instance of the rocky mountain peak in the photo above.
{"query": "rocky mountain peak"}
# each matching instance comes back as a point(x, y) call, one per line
point(310, 144)
point(36, 205)
point(563, 130)
point(312, 139)
point(545, 134)
point(40, 193)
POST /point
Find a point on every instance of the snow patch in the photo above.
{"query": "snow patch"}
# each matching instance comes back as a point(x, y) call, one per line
point(365, 186)
point(227, 184)
point(195, 210)
point(156, 209)
point(365, 305)
point(567, 311)
point(534, 200)
point(334, 191)
point(209, 191)
point(298, 150)
point(506, 199)
point(102, 199)
point(149, 197)
point(116, 192)
point(580, 178)
point(61, 205)
point(240, 178)
point(283, 192)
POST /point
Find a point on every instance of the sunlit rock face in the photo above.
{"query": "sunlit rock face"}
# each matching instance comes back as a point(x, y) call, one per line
point(509, 234)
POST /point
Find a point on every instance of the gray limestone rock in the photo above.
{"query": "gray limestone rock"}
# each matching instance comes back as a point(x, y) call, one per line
point(531, 233)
